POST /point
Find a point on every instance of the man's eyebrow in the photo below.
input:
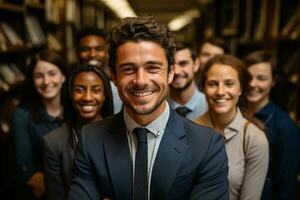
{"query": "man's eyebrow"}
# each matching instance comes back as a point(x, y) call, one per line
point(154, 63)
point(126, 64)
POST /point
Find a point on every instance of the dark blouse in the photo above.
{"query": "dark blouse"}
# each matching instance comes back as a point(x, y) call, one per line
point(28, 141)
point(284, 141)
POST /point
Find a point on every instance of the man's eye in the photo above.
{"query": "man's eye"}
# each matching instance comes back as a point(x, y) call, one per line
point(153, 68)
point(84, 49)
point(128, 70)
point(100, 49)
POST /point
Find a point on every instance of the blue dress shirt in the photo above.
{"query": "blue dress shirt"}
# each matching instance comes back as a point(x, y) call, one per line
point(197, 104)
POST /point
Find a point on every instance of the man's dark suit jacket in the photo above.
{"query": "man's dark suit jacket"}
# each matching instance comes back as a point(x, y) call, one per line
point(191, 162)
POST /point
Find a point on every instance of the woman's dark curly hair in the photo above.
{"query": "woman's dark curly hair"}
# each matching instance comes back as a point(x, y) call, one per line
point(70, 113)
point(138, 29)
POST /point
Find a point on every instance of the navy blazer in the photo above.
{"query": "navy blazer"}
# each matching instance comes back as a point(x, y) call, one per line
point(191, 162)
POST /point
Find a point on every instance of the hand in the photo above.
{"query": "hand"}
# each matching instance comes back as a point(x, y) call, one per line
point(37, 183)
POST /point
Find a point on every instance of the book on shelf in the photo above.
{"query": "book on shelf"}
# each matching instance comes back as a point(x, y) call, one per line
point(71, 55)
point(53, 43)
point(78, 16)
point(259, 30)
point(290, 24)
point(230, 18)
point(3, 41)
point(4, 87)
point(38, 29)
point(19, 75)
point(7, 74)
point(295, 34)
point(100, 19)
point(70, 11)
point(52, 11)
point(31, 31)
point(13, 38)
point(89, 14)
point(292, 63)
point(248, 21)
point(69, 37)
point(274, 19)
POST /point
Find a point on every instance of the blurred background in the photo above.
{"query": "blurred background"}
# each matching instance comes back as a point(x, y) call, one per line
point(27, 26)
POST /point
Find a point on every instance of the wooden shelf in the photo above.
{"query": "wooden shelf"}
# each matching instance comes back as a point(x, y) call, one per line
point(38, 6)
point(11, 7)
point(14, 49)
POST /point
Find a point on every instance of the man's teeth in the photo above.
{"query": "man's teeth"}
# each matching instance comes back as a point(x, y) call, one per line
point(93, 62)
point(142, 94)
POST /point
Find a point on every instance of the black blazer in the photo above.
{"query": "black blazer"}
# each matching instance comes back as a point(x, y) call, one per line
point(191, 162)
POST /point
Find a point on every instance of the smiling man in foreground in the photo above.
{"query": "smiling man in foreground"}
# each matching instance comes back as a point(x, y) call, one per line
point(147, 151)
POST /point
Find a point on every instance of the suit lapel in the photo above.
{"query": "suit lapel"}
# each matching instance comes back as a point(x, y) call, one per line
point(169, 156)
point(118, 158)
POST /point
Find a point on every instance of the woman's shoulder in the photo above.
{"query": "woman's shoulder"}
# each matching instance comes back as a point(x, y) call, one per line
point(21, 111)
point(282, 117)
point(256, 136)
point(21, 116)
point(203, 120)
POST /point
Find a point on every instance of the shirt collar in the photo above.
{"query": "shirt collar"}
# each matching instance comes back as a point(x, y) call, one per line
point(235, 126)
point(155, 127)
point(191, 104)
point(232, 129)
point(45, 115)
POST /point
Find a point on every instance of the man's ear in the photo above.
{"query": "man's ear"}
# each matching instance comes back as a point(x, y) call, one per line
point(171, 74)
point(196, 65)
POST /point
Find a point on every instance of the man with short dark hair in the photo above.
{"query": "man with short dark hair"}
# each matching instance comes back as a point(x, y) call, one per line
point(91, 49)
point(147, 151)
point(185, 97)
point(209, 48)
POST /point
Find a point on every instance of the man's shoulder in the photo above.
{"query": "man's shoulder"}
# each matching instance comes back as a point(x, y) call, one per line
point(103, 126)
point(197, 129)
point(194, 130)
point(58, 135)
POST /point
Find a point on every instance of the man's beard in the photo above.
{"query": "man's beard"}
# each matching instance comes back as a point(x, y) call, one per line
point(180, 89)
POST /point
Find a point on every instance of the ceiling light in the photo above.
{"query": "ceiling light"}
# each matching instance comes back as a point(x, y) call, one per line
point(184, 19)
point(120, 7)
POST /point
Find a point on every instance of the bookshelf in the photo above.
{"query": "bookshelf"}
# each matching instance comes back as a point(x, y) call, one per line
point(26, 27)
point(12, 52)
point(250, 25)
